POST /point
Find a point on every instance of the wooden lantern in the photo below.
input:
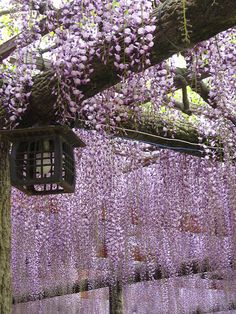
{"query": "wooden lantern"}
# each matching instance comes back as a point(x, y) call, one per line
point(42, 159)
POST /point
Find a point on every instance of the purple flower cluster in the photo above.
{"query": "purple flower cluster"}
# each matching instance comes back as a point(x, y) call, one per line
point(178, 210)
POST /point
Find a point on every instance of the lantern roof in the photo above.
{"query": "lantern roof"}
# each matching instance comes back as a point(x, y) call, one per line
point(62, 130)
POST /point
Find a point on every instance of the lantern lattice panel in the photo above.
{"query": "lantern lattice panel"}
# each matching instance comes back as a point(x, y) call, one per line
point(32, 161)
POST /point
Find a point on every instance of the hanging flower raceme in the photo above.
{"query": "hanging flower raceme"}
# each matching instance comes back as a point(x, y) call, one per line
point(173, 214)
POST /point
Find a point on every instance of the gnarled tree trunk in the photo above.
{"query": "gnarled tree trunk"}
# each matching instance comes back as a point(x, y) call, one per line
point(5, 230)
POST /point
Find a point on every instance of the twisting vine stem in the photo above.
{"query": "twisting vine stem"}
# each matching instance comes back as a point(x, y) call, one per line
point(186, 33)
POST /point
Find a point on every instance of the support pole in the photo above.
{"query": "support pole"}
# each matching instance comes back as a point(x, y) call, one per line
point(116, 299)
point(5, 230)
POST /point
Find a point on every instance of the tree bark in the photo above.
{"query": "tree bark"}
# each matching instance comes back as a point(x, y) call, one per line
point(181, 137)
point(5, 230)
point(205, 19)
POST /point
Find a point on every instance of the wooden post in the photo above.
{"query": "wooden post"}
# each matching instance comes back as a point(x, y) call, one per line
point(83, 283)
point(5, 230)
point(116, 299)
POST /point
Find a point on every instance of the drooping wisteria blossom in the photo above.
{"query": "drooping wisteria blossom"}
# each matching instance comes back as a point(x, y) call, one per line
point(159, 222)
point(123, 219)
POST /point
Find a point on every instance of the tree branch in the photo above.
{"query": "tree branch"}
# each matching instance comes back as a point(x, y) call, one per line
point(9, 11)
point(205, 17)
point(206, 20)
point(181, 137)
